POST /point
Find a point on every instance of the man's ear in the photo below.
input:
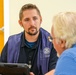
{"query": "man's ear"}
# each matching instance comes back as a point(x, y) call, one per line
point(40, 20)
point(20, 23)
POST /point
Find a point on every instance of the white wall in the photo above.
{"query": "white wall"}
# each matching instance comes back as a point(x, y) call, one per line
point(48, 9)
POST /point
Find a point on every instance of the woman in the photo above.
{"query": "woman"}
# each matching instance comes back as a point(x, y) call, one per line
point(64, 40)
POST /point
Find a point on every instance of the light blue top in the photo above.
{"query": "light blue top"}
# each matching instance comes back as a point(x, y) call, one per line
point(66, 64)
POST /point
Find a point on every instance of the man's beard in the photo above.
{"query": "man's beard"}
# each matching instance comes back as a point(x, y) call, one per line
point(30, 33)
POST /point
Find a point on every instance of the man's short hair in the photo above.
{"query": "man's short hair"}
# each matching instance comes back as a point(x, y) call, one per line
point(26, 7)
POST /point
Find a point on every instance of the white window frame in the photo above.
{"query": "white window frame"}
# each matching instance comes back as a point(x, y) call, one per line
point(6, 20)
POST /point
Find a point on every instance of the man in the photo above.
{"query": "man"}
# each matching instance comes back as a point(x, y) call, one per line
point(64, 39)
point(32, 45)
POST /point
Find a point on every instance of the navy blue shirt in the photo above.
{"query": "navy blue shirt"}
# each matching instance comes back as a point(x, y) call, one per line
point(28, 53)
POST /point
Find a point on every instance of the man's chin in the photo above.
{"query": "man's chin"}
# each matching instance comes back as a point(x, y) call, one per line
point(32, 34)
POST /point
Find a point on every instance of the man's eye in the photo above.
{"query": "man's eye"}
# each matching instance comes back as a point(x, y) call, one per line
point(35, 18)
point(26, 19)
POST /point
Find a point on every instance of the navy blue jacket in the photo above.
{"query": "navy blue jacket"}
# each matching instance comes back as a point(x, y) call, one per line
point(44, 50)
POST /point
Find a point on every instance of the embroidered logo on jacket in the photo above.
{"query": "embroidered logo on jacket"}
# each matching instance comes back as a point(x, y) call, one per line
point(46, 52)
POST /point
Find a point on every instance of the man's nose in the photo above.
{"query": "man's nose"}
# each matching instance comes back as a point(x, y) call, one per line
point(32, 22)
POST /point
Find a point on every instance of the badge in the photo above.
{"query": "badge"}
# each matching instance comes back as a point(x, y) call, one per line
point(46, 52)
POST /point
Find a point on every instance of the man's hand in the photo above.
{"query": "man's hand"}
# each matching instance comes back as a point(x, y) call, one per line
point(50, 72)
point(31, 73)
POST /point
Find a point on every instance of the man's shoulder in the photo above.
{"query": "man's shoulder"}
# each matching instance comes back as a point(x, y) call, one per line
point(16, 35)
point(44, 31)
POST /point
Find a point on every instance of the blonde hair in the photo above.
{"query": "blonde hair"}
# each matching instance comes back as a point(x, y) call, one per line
point(64, 24)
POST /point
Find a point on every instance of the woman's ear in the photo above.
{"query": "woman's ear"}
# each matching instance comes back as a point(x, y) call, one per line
point(62, 43)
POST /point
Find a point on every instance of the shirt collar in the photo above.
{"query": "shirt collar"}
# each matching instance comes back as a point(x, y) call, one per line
point(74, 45)
point(23, 40)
